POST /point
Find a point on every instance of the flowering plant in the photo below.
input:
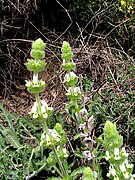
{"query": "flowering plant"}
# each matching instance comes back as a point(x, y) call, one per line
point(55, 139)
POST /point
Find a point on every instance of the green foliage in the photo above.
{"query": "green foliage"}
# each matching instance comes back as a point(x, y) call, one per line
point(26, 149)
point(15, 146)
point(119, 168)
point(86, 9)
point(101, 16)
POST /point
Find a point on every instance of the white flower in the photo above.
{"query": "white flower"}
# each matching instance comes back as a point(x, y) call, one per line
point(33, 111)
point(55, 135)
point(88, 155)
point(111, 171)
point(126, 175)
point(116, 154)
point(45, 115)
point(107, 155)
point(83, 112)
point(72, 74)
point(116, 178)
point(65, 152)
point(35, 115)
point(124, 152)
point(35, 79)
point(129, 166)
point(50, 108)
point(43, 103)
point(45, 109)
point(122, 168)
point(75, 91)
point(69, 76)
point(132, 177)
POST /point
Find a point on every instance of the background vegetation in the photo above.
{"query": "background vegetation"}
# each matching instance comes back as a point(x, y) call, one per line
point(102, 36)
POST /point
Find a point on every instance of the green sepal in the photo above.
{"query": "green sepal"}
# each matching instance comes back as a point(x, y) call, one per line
point(35, 66)
point(37, 54)
point(35, 88)
point(38, 45)
point(68, 66)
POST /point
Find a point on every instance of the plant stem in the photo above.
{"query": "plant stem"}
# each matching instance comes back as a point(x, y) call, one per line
point(38, 103)
point(63, 171)
point(59, 162)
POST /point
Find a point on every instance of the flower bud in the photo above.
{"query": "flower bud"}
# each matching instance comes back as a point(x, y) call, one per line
point(65, 47)
point(50, 160)
point(67, 54)
point(38, 45)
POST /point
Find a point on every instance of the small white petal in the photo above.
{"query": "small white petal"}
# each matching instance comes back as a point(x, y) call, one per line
point(35, 115)
point(44, 103)
point(122, 168)
point(45, 115)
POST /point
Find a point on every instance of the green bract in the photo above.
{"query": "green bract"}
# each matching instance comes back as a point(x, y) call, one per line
point(36, 66)
point(68, 66)
point(73, 94)
point(67, 56)
point(35, 88)
point(37, 54)
point(38, 45)
point(70, 79)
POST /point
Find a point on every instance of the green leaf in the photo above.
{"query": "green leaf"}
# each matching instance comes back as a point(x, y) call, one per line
point(11, 138)
point(54, 178)
point(77, 136)
point(88, 174)
point(78, 171)
point(7, 116)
